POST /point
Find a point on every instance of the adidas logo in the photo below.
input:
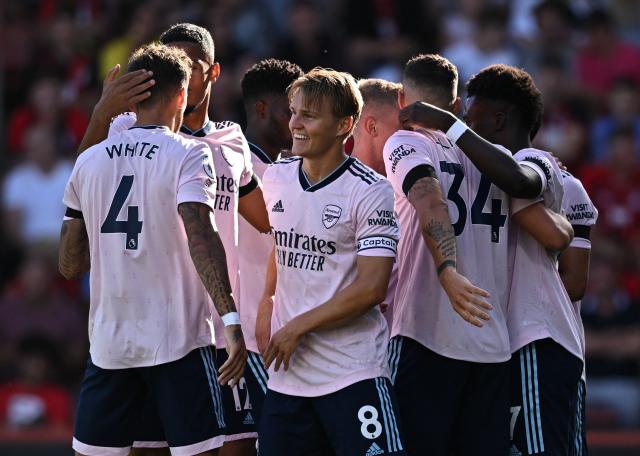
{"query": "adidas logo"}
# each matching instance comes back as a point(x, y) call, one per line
point(248, 419)
point(374, 449)
point(277, 207)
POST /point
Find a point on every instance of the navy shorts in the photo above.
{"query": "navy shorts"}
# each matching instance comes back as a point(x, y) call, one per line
point(184, 394)
point(447, 406)
point(360, 419)
point(544, 394)
point(242, 404)
point(580, 426)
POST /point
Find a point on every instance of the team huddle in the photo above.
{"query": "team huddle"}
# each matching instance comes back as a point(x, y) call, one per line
point(265, 292)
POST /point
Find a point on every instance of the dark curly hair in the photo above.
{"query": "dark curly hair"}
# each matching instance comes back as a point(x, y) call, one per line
point(269, 76)
point(513, 86)
point(434, 72)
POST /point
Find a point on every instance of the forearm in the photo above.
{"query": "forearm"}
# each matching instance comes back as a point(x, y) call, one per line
point(435, 223)
point(501, 169)
point(97, 130)
point(73, 254)
point(208, 255)
point(349, 303)
point(252, 208)
point(271, 276)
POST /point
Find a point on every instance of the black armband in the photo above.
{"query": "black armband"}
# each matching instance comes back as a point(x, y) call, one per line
point(251, 186)
point(74, 214)
point(416, 174)
point(582, 231)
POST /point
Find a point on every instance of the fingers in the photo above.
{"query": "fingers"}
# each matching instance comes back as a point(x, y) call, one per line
point(111, 75)
point(233, 369)
point(138, 98)
point(480, 292)
point(469, 316)
point(269, 355)
point(138, 83)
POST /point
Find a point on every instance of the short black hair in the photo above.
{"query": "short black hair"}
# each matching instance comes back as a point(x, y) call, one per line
point(513, 86)
point(193, 34)
point(434, 72)
point(269, 76)
point(171, 70)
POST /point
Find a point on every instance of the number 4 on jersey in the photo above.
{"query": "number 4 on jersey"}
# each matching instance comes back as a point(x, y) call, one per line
point(132, 227)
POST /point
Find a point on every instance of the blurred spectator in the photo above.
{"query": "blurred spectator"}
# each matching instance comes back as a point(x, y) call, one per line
point(32, 193)
point(45, 107)
point(605, 57)
point(32, 398)
point(566, 112)
point(612, 327)
point(36, 304)
point(614, 186)
point(488, 46)
point(623, 111)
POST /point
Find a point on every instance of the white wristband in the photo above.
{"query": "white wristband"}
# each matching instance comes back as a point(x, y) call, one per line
point(232, 318)
point(456, 130)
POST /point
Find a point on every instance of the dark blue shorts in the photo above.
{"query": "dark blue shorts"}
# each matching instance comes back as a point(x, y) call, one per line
point(544, 394)
point(448, 406)
point(242, 404)
point(184, 395)
point(360, 419)
point(580, 426)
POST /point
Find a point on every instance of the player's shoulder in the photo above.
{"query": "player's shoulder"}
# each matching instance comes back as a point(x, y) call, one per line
point(362, 175)
point(282, 169)
point(543, 159)
point(573, 188)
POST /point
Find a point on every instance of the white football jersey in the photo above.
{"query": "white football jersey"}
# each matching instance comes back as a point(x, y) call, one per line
point(319, 230)
point(254, 249)
point(480, 216)
point(234, 177)
point(539, 306)
point(148, 305)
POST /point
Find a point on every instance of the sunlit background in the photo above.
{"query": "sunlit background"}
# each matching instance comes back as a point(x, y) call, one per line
point(584, 56)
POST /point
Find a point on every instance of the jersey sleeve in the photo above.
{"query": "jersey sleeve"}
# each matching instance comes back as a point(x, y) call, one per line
point(248, 180)
point(406, 159)
point(122, 122)
point(197, 179)
point(580, 211)
point(377, 231)
point(550, 174)
point(71, 197)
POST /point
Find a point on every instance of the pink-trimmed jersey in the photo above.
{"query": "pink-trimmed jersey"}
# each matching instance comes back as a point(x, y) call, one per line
point(234, 178)
point(148, 305)
point(479, 212)
point(319, 230)
point(254, 250)
point(539, 306)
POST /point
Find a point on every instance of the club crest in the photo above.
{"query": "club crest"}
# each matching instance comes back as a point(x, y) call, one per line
point(208, 169)
point(330, 215)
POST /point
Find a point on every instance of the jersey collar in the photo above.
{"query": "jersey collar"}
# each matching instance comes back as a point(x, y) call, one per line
point(149, 127)
point(336, 173)
point(207, 128)
point(261, 154)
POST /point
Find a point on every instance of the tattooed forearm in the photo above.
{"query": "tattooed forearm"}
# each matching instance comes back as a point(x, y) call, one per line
point(73, 254)
point(426, 197)
point(207, 253)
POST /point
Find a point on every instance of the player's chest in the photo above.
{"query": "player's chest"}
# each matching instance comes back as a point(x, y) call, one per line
point(228, 171)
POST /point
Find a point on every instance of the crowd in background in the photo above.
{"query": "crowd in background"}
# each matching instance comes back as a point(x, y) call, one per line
point(583, 54)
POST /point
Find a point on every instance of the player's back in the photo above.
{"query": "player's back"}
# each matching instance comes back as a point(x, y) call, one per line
point(479, 214)
point(148, 305)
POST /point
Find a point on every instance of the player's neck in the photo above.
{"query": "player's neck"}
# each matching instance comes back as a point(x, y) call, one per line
point(253, 136)
point(196, 119)
point(516, 142)
point(158, 115)
point(317, 168)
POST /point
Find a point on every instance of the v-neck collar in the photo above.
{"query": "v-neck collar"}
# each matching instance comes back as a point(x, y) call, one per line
point(336, 173)
point(207, 128)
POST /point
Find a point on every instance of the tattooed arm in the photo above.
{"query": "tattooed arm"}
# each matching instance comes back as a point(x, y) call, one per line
point(425, 195)
point(208, 255)
point(73, 253)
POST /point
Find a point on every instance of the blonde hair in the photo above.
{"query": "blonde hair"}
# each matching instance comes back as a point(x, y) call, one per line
point(379, 91)
point(337, 88)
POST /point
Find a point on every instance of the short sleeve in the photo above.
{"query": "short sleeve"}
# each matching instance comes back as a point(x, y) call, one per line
point(71, 198)
point(197, 180)
point(377, 231)
point(122, 122)
point(247, 177)
point(550, 174)
point(579, 210)
point(406, 159)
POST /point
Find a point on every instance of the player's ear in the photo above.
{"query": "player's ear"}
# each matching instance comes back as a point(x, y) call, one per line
point(214, 72)
point(499, 121)
point(345, 126)
point(456, 107)
point(401, 98)
point(370, 125)
point(260, 108)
